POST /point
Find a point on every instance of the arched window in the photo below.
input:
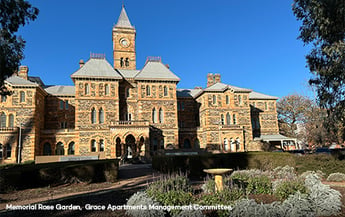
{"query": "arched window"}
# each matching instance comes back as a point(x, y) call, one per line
point(93, 145)
point(227, 99)
point(87, 89)
point(71, 148)
point(8, 151)
point(228, 118)
point(240, 100)
point(127, 92)
point(59, 149)
point(127, 62)
point(93, 116)
point(165, 91)
point(11, 120)
point(61, 104)
point(2, 120)
point(222, 119)
point(154, 115)
point(3, 98)
point(161, 116)
point(101, 116)
point(106, 89)
point(1, 151)
point(47, 149)
point(121, 62)
point(118, 147)
point(22, 96)
point(214, 101)
point(234, 121)
point(101, 145)
point(66, 104)
point(148, 90)
point(266, 106)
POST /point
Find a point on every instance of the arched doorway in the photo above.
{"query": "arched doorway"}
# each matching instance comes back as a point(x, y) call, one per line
point(130, 145)
point(141, 146)
point(186, 144)
point(118, 147)
point(47, 149)
point(59, 149)
point(71, 148)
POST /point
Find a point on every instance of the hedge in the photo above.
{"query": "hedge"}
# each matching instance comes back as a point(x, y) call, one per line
point(17, 177)
point(193, 165)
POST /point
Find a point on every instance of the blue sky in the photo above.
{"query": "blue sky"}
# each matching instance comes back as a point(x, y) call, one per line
point(252, 44)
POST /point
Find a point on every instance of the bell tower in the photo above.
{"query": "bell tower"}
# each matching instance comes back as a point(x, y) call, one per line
point(124, 43)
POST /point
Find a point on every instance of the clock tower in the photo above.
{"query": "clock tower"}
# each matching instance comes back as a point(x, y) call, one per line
point(124, 43)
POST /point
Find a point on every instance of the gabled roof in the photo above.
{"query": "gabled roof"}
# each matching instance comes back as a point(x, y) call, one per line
point(222, 87)
point(15, 80)
point(256, 95)
point(123, 20)
point(188, 93)
point(156, 70)
point(60, 90)
point(97, 68)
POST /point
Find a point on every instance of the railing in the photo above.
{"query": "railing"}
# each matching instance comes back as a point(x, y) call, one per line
point(8, 129)
point(130, 123)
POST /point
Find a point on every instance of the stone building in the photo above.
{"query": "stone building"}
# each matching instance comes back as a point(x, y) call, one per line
point(118, 110)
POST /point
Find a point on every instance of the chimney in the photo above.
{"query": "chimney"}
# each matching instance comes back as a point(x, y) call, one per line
point(198, 88)
point(81, 63)
point(216, 78)
point(23, 72)
point(210, 79)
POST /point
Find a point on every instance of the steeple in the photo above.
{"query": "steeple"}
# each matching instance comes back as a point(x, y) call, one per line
point(123, 20)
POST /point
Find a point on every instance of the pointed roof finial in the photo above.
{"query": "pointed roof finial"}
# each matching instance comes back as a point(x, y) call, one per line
point(123, 20)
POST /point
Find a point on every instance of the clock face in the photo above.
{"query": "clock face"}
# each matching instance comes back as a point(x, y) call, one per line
point(124, 42)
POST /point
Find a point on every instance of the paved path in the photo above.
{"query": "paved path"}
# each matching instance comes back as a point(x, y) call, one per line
point(132, 178)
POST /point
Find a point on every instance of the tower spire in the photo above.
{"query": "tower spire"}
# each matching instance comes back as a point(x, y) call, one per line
point(123, 20)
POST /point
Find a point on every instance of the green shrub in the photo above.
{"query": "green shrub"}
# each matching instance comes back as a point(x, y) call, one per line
point(173, 182)
point(318, 173)
point(298, 205)
point(285, 188)
point(286, 172)
point(208, 186)
point(259, 185)
point(336, 177)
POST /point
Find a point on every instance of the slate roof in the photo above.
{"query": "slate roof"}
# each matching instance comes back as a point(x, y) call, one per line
point(97, 67)
point(36, 80)
point(186, 93)
point(156, 70)
point(60, 90)
point(128, 73)
point(123, 20)
point(18, 81)
point(222, 87)
point(256, 95)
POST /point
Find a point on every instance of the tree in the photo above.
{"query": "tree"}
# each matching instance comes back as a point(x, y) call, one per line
point(323, 26)
point(13, 14)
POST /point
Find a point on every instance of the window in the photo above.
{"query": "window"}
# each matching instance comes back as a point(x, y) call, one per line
point(234, 121)
point(60, 149)
point(1, 151)
point(101, 116)
point(165, 91)
point(121, 62)
point(154, 115)
point(3, 98)
point(61, 104)
point(2, 120)
point(101, 145)
point(227, 118)
point(128, 117)
point(93, 116)
point(227, 99)
point(87, 89)
point(222, 119)
point(106, 89)
point(8, 151)
point(240, 100)
point(22, 96)
point(266, 106)
point(63, 125)
point(93, 145)
point(161, 115)
point(66, 104)
point(71, 148)
point(127, 62)
point(47, 149)
point(182, 106)
point(214, 101)
point(148, 90)
point(10, 120)
point(127, 92)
